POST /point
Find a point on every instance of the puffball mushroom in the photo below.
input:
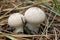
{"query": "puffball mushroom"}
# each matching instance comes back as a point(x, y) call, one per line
point(15, 20)
point(34, 16)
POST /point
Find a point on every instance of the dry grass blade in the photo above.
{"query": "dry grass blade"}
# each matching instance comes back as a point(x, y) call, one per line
point(23, 35)
point(22, 7)
point(56, 38)
point(11, 9)
point(3, 17)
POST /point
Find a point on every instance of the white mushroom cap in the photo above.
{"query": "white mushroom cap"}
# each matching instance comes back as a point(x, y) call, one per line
point(15, 21)
point(34, 15)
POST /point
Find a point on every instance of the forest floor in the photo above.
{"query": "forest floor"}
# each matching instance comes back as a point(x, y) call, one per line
point(50, 28)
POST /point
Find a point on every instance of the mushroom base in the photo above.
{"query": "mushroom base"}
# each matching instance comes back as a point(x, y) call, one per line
point(33, 28)
point(18, 30)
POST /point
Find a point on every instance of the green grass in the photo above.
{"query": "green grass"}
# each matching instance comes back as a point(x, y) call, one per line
point(57, 10)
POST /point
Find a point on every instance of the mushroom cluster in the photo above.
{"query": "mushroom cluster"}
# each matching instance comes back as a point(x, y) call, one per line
point(33, 16)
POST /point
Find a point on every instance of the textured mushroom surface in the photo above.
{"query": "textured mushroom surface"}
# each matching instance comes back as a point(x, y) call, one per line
point(34, 15)
point(16, 20)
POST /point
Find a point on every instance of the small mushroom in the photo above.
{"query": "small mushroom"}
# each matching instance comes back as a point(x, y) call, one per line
point(34, 16)
point(16, 20)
